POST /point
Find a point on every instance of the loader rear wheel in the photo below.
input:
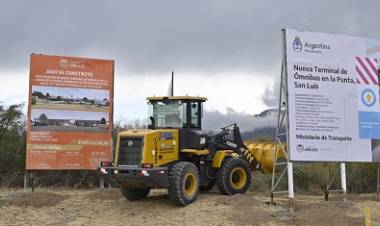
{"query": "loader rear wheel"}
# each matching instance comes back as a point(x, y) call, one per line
point(234, 176)
point(134, 194)
point(183, 183)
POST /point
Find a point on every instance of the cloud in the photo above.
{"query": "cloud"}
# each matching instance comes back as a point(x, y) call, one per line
point(221, 40)
point(155, 37)
point(238, 91)
point(214, 120)
point(270, 97)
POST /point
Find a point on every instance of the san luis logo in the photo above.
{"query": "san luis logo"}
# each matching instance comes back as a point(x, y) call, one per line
point(64, 63)
point(368, 97)
point(297, 44)
point(300, 148)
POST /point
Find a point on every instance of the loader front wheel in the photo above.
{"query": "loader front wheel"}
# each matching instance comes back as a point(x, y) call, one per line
point(183, 183)
point(134, 194)
point(234, 176)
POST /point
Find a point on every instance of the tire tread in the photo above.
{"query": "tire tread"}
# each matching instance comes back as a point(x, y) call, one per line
point(175, 180)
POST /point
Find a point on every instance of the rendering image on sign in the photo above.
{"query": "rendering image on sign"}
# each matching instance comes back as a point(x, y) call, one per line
point(70, 112)
point(333, 97)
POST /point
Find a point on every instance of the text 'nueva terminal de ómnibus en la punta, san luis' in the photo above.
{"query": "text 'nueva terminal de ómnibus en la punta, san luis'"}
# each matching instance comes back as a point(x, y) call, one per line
point(340, 76)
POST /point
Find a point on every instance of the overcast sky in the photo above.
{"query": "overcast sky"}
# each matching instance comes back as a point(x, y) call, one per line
point(229, 51)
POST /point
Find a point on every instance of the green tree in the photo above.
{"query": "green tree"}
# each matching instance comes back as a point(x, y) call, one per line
point(10, 118)
point(12, 144)
point(43, 118)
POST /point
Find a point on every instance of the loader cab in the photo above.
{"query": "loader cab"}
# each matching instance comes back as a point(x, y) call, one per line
point(179, 112)
point(175, 112)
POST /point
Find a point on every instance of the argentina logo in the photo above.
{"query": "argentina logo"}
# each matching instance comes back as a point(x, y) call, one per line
point(297, 44)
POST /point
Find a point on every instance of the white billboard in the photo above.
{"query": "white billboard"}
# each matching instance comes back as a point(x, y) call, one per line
point(333, 97)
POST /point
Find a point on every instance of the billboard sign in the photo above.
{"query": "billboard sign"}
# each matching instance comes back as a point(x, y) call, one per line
point(70, 112)
point(333, 97)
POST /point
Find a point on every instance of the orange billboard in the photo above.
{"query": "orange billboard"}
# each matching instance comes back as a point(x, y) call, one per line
point(70, 112)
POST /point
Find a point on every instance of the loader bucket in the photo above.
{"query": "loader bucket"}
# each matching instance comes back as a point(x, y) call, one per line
point(264, 152)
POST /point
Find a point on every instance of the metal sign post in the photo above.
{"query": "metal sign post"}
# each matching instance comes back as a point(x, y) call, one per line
point(332, 178)
point(26, 180)
point(290, 186)
point(343, 182)
point(282, 167)
point(378, 181)
point(30, 178)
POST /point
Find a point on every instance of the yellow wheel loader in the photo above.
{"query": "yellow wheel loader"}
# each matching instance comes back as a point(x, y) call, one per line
point(173, 153)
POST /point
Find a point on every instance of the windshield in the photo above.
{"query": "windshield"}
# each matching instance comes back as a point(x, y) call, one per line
point(168, 114)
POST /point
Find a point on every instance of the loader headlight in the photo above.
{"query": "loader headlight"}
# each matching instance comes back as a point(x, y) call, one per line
point(144, 173)
point(103, 171)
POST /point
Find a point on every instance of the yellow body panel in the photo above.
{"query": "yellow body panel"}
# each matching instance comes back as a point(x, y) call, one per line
point(219, 156)
point(160, 145)
point(195, 151)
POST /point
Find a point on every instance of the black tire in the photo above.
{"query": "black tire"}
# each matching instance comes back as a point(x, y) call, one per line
point(133, 194)
point(209, 186)
point(183, 183)
point(234, 176)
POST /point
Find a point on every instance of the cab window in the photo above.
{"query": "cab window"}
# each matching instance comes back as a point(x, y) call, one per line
point(168, 114)
point(195, 114)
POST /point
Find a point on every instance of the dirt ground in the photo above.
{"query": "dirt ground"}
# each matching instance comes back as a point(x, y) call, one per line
point(108, 207)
